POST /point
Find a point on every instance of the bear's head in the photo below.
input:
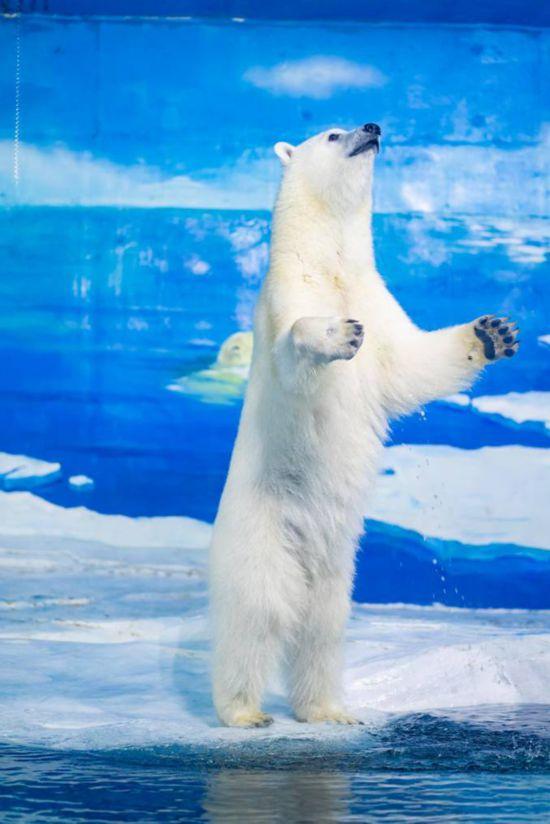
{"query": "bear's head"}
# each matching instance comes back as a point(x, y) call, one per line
point(236, 350)
point(334, 167)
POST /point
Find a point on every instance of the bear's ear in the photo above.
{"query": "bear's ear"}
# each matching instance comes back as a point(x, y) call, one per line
point(284, 152)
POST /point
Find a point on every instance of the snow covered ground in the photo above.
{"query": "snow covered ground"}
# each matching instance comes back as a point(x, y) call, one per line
point(106, 645)
point(104, 631)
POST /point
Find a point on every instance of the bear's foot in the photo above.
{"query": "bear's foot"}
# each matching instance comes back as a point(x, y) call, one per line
point(498, 337)
point(326, 715)
point(247, 718)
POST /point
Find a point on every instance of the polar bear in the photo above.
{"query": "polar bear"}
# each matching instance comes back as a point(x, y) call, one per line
point(223, 382)
point(335, 358)
point(235, 352)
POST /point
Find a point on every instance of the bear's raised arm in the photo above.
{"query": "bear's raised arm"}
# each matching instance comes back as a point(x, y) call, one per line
point(430, 365)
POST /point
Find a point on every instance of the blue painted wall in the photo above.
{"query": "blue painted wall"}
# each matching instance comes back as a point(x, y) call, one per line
point(525, 12)
point(136, 179)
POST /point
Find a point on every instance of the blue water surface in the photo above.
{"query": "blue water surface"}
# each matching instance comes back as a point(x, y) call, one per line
point(491, 765)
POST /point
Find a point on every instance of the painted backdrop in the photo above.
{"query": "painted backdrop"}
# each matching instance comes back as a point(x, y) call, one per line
point(136, 181)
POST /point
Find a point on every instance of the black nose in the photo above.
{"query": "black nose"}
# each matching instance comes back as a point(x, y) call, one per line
point(372, 128)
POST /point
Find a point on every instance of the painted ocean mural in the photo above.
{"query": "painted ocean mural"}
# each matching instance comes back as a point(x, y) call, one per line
point(135, 233)
point(136, 182)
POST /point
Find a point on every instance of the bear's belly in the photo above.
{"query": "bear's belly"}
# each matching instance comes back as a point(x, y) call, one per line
point(304, 464)
point(319, 463)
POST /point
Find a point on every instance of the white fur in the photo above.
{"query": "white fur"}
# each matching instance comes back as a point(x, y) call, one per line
point(310, 437)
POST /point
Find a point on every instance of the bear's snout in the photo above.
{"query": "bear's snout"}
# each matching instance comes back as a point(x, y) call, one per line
point(372, 128)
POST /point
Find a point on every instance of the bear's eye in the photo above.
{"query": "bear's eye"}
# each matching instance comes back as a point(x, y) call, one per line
point(333, 136)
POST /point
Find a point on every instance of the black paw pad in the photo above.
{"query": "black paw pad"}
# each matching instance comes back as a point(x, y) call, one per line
point(487, 341)
point(498, 336)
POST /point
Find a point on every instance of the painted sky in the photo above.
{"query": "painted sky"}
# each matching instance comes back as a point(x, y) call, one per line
point(153, 113)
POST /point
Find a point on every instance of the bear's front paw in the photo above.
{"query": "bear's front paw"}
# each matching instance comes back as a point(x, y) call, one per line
point(498, 337)
point(344, 338)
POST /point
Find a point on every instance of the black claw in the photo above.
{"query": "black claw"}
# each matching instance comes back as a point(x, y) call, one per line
point(352, 320)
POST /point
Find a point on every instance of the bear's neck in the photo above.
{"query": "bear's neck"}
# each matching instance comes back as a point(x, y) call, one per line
point(322, 242)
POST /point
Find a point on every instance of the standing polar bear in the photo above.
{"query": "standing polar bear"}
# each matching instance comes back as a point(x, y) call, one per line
point(335, 358)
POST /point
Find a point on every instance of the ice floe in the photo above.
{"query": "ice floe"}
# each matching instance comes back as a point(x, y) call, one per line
point(479, 496)
point(459, 399)
point(81, 483)
point(22, 513)
point(22, 472)
point(519, 409)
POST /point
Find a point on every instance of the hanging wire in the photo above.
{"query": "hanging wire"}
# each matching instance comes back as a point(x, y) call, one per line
point(17, 118)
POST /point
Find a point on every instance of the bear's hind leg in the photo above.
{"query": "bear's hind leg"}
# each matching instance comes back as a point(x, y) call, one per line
point(243, 660)
point(256, 597)
point(315, 657)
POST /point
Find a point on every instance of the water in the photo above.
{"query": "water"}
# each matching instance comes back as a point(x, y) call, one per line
point(490, 764)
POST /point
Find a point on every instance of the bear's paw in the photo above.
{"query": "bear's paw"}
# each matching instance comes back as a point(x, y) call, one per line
point(498, 337)
point(345, 338)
